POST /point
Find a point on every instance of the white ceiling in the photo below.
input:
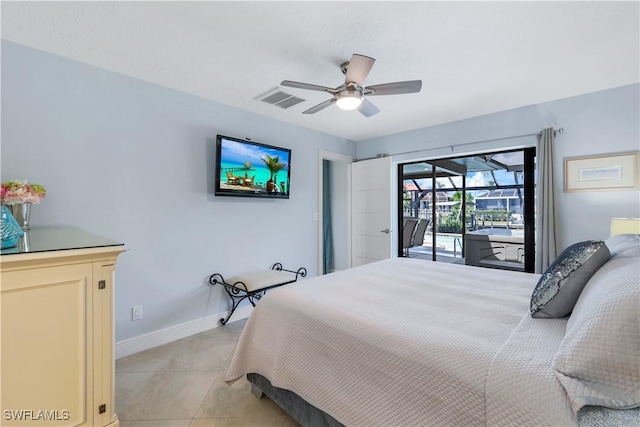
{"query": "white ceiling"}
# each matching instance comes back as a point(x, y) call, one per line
point(474, 58)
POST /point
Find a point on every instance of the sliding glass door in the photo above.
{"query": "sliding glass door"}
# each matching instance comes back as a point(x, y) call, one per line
point(474, 210)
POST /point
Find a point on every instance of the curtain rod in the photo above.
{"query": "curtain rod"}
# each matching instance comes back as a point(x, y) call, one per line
point(560, 131)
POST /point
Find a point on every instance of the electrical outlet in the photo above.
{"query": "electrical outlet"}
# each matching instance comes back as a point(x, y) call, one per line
point(136, 312)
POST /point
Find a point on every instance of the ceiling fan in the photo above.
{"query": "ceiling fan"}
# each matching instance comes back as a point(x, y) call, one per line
point(352, 94)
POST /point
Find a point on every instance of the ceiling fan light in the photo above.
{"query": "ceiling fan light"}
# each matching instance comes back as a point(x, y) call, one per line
point(348, 100)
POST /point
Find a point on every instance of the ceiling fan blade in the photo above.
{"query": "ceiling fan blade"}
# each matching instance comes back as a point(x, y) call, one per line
point(320, 106)
point(358, 69)
point(367, 108)
point(308, 86)
point(411, 86)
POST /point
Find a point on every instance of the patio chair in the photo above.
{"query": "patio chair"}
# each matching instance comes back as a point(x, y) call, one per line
point(248, 182)
point(232, 180)
point(418, 235)
point(408, 230)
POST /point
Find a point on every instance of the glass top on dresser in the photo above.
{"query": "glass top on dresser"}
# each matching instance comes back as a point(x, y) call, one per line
point(43, 239)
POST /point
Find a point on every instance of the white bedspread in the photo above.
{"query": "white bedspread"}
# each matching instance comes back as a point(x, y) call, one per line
point(406, 342)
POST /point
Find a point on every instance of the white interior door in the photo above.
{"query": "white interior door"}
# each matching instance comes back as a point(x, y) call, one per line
point(371, 210)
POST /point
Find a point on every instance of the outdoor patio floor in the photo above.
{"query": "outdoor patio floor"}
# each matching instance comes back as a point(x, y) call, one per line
point(442, 255)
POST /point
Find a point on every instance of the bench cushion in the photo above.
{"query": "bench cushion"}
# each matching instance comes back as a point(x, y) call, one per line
point(261, 279)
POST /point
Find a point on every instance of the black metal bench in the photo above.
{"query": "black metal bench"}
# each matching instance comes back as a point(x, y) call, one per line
point(254, 285)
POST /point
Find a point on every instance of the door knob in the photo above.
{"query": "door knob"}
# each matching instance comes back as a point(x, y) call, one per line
point(386, 231)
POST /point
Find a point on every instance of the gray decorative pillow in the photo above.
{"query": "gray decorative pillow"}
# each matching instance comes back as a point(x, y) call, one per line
point(559, 287)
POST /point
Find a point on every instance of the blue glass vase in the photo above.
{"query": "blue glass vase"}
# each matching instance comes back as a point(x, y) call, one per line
point(10, 230)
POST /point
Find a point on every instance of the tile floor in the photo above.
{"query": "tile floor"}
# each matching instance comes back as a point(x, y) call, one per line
point(182, 384)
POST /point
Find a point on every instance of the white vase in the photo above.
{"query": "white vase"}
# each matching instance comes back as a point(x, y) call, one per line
point(21, 212)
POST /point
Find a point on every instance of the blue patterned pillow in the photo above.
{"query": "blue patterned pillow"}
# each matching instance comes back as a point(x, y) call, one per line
point(559, 287)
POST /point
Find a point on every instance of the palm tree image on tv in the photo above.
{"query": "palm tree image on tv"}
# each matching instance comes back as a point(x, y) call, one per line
point(274, 166)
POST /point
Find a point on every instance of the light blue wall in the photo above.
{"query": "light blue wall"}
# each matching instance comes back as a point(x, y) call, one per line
point(133, 161)
point(594, 124)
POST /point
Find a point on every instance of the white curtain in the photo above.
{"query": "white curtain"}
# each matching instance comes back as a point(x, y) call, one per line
point(546, 250)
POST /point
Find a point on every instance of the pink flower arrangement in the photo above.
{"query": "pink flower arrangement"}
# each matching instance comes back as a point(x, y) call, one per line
point(14, 192)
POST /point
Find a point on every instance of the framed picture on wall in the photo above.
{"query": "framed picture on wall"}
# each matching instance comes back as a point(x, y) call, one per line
point(608, 172)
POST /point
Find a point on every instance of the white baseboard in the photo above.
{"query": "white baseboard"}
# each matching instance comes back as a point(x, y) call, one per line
point(163, 336)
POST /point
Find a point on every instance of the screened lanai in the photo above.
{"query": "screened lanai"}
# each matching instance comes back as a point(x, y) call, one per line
point(497, 189)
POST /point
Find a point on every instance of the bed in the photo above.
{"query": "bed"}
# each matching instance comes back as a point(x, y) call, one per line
point(406, 342)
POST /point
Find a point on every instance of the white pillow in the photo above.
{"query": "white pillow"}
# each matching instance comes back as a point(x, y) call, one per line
point(624, 244)
point(598, 361)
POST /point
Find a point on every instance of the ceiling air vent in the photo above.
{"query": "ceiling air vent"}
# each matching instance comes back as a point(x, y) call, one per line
point(280, 98)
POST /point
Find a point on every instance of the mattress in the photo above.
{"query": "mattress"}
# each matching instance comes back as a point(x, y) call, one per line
point(409, 342)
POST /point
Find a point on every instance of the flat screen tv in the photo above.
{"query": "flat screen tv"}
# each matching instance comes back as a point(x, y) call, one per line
point(246, 168)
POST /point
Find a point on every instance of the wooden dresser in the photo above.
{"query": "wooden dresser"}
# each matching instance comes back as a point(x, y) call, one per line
point(56, 297)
